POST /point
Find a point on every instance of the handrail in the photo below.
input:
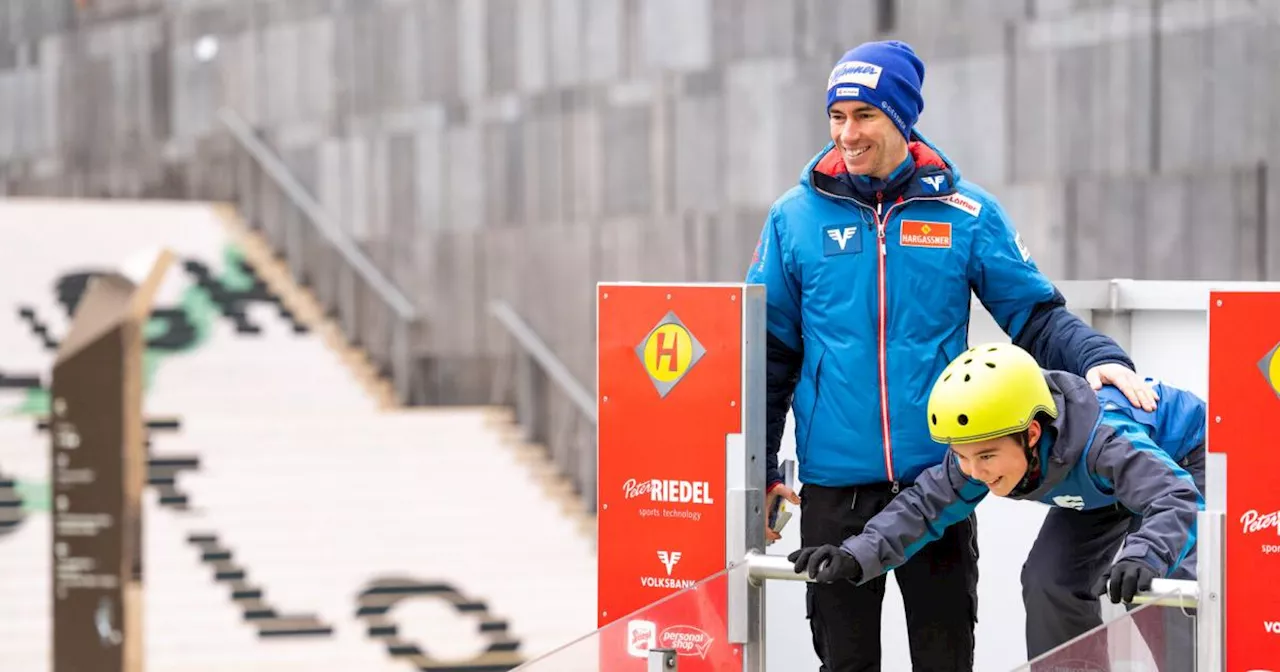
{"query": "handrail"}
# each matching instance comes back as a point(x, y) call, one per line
point(1124, 294)
point(273, 166)
point(555, 369)
point(1167, 592)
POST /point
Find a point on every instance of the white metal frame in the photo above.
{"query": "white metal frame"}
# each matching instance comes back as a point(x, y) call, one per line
point(1112, 304)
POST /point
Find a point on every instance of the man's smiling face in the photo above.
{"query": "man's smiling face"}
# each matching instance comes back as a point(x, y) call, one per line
point(867, 140)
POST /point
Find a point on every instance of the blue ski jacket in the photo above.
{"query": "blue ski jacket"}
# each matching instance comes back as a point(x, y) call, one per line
point(869, 298)
point(1100, 450)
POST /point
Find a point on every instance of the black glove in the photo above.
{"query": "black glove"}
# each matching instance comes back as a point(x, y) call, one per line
point(826, 563)
point(1127, 578)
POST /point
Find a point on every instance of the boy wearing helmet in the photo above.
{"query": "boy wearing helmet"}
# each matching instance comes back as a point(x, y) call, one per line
point(1118, 477)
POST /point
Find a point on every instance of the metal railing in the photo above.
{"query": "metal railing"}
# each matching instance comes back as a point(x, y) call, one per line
point(762, 567)
point(372, 311)
point(539, 376)
point(758, 567)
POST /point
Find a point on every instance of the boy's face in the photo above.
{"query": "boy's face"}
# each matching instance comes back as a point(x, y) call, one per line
point(1001, 463)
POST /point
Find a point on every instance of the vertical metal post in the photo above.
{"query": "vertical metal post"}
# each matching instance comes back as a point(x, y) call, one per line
point(1115, 321)
point(663, 660)
point(293, 237)
point(1211, 566)
point(1118, 324)
point(525, 393)
point(745, 480)
point(402, 365)
point(346, 298)
point(1211, 614)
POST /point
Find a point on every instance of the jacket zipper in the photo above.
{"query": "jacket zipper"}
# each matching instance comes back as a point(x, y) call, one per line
point(882, 219)
point(881, 251)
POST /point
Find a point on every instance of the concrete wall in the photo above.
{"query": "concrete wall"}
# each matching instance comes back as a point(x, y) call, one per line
point(524, 149)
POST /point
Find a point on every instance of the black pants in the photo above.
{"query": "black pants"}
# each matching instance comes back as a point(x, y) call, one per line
point(939, 587)
point(1070, 554)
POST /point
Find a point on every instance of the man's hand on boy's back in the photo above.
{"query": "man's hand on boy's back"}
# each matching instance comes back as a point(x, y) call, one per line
point(1135, 387)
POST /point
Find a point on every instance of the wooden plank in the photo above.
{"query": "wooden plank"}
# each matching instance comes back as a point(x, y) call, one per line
point(1223, 225)
point(1185, 103)
point(531, 53)
point(498, 41)
point(675, 35)
point(965, 114)
point(317, 92)
point(1208, 217)
point(467, 207)
point(802, 128)
point(584, 150)
point(437, 27)
point(628, 177)
point(540, 179)
point(1036, 211)
point(1104, 230)
point(1243, 65)
point(1247, 193)
point(1164, 252)
point(574, 302)
point(501, 277)
point(402, 205)
point(568, 31)
point(1269, 203)
point(751, 168)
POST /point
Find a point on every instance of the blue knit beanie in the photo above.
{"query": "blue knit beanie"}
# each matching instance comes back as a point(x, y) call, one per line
point(887, 75)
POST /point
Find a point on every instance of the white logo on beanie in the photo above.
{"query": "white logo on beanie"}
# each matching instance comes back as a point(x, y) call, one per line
point(855, 72)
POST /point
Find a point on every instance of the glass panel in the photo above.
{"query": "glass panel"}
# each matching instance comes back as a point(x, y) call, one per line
point(1150, 638)
point(693, 621)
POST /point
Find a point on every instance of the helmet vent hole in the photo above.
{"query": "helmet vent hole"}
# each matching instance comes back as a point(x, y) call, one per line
point(966, 377)
point(962, 419)
point(991, 365)
point(934, 418)
point(948, 377)
point(992, 349)
point(968, 361)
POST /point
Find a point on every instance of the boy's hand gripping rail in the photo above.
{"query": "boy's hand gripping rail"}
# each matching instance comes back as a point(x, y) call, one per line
point(1166, 592)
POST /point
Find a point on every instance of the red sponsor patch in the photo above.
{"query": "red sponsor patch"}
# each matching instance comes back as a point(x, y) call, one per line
point(916, 233)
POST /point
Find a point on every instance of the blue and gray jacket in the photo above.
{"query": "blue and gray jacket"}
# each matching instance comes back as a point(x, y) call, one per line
point(868, 285)
point(1099, 451)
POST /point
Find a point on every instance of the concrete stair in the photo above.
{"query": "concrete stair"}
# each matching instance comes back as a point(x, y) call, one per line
point(294, 519)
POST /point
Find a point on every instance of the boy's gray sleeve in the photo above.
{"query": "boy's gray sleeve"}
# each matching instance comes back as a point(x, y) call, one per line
point(941, 497)
point(1148, 482)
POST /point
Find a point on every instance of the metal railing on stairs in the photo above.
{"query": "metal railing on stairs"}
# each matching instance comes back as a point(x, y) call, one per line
point(372, 311)
point(538, 377)
point(552, 406)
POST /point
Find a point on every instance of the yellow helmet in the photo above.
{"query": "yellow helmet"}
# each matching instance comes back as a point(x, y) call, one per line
point(991, 390)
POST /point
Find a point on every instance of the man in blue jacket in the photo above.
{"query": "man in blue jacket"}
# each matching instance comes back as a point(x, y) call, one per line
point(1119, 479)
point(868, 265)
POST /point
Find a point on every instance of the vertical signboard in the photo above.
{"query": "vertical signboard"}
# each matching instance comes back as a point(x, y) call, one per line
point(97, 473)
point(670, 398)
point(1244, 397)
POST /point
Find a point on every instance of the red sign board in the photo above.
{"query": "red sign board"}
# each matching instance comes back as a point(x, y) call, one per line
point(670, 394)
point(1244, 399)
